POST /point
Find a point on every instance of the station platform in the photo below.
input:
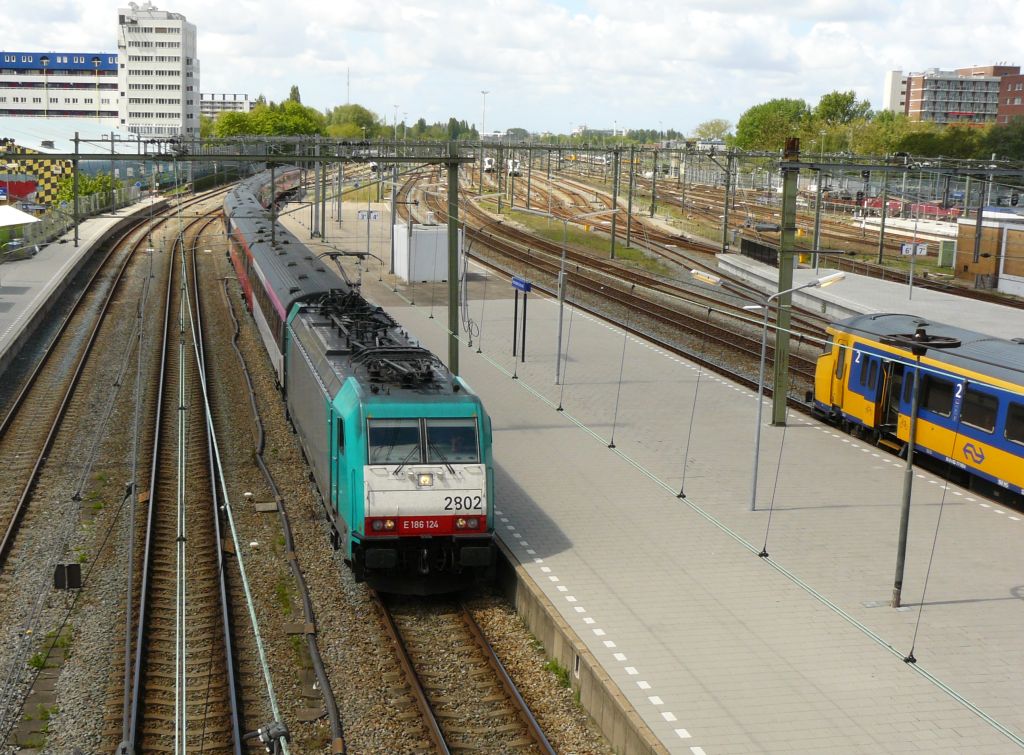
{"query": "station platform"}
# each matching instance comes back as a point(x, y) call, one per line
point(29, 287)
point(716, 649)
point(860, 294)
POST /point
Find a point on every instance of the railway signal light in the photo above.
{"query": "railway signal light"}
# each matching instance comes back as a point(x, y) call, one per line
point(866, 175)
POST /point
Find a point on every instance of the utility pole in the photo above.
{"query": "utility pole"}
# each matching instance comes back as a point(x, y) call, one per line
point(529, 174)
point(74, 189)
point(314, 208)
point(817, 219)
point(654, 184)
point(787, 242)
point(453, 258)
point(885, 210)
point(725, 216)
point(629, 197)
point(615, 194)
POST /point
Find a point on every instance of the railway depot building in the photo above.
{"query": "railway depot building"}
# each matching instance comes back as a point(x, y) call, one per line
point(997, 259)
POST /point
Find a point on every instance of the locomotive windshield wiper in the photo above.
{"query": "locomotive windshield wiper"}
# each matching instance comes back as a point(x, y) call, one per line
point(444, 459)
point(405, 461)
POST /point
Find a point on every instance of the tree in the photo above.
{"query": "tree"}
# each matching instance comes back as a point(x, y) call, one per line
point(205, 126)
point(768, 125)
point(101, 183)
point(1005, 140)
point(294, 95)
point(837, 108)
point(354, 119)
point(288, 118)
point(716, 128)
point(517, 134)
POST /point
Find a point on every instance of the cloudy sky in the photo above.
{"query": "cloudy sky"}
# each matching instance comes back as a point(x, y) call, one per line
point(554, 64)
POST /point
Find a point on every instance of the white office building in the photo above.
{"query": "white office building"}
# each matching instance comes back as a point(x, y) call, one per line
point(894, 92)
point(213, 104)
point(158, 72)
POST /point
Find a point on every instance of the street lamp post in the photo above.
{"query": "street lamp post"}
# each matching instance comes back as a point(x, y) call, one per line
point(916, 343)
point(765, 304)
point(44, 61)
point(483, 120)
point(96, 66)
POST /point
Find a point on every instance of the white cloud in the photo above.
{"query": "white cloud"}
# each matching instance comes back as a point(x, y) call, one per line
point(552, 63)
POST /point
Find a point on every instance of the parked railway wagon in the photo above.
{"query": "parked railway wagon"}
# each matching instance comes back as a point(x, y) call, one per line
point(399, 448)
point(513, 167)
point(488, 165)
point(970, 398)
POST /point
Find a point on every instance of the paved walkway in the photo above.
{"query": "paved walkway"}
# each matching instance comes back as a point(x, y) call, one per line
point(720, 651)
point(29, 285)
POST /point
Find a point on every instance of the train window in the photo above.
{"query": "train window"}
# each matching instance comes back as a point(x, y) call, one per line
point(872, 374)
point(840, 362)
point(341, 436)
point(393, 441)
point(1015, 423)
point(452, 440)
point(936, 395)
point(979, 410)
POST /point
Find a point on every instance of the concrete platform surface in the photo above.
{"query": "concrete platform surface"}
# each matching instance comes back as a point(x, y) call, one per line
point(717, 649)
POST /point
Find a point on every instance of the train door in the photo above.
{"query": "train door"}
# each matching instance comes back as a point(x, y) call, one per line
point(339, 478)
point(872, 386)
point(892, 384)
point(839, 374)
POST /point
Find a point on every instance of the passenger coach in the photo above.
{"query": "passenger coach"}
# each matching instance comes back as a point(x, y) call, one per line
point(971, 398)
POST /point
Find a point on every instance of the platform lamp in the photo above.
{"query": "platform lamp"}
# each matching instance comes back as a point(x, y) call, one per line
point(96, 66)
point(917, 343)
point(765, 305)
point(44, 61)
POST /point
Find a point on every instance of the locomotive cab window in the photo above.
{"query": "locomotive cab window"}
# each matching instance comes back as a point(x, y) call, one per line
point(341, 436)
point(393, 441)
point(452, 440)
point(936, 395)
point(979, 410)
point(841, 362)
point(1015, 423)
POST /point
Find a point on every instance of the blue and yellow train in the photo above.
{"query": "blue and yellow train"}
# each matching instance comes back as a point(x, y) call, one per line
point(970, 398)
point(399, 447)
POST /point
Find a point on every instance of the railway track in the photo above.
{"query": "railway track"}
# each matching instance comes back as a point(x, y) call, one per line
point(37, 413)
point(644, 304)
point(183, 691)
point(465, 698)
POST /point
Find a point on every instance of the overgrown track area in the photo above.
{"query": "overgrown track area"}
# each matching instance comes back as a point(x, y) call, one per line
point(465, 698)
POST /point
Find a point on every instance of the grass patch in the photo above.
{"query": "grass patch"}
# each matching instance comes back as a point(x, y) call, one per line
point(283, 592)
point(37, 661)
point(561, 672)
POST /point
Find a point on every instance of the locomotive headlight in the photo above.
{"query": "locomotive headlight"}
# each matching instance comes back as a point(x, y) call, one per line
point(389, 524)
point(425, 480)
point(377, 525)
point(473, 523)
point(460, 523)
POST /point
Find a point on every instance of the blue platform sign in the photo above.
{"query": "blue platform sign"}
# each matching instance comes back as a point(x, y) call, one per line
point(522, 284)
point(956, 194)
point(3, 192)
